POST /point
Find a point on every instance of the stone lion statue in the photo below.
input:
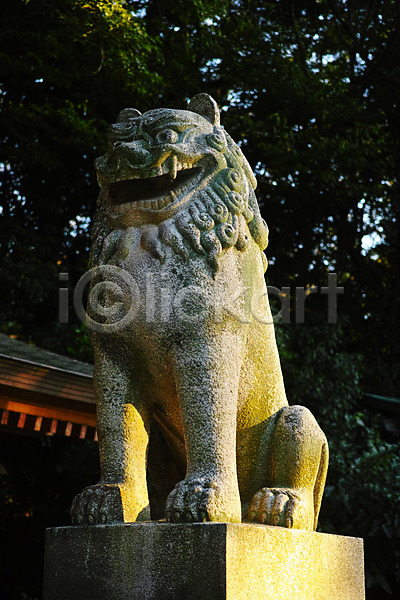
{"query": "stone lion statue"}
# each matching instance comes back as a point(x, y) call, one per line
point(193, 421)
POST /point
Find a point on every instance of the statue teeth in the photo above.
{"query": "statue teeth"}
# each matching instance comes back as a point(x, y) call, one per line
point(157, 203)
point(174, 167)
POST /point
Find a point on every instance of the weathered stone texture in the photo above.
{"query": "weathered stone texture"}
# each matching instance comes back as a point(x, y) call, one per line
point(187, 375)
point(209, 561)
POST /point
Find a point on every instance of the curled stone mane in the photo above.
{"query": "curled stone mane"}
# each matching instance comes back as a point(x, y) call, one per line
point(213, 221)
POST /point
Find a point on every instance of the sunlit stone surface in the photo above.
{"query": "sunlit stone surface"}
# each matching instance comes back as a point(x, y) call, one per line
point(187, 373)
point(207, 561)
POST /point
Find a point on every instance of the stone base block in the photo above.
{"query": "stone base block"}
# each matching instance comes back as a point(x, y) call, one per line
point(200, 561)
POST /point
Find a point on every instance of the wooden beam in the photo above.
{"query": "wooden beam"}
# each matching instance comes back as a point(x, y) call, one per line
point(83, 417)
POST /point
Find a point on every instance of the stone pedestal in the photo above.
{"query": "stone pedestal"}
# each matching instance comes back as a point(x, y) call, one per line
point(200, 561)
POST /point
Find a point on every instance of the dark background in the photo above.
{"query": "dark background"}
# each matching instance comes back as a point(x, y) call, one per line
point(311, 91)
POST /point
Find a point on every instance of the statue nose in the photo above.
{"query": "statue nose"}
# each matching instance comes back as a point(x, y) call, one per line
point(135, 151)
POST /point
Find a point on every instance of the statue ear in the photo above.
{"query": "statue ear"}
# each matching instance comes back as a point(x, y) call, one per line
point(128, 113)
point(204, 105)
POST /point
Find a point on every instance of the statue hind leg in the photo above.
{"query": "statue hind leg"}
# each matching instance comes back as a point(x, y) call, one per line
point(294, 458)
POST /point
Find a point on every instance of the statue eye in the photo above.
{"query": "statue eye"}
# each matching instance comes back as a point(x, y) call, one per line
point(167, 136)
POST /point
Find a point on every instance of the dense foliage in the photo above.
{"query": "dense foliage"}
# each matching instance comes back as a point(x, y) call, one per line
point(311, 90)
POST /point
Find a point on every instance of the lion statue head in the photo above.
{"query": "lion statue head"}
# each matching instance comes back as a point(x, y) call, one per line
point(180, 180)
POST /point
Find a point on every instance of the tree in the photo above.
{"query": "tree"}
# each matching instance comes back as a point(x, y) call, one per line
point(311, 91)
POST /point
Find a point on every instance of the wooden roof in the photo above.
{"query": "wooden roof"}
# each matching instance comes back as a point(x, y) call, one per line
point(44, 392)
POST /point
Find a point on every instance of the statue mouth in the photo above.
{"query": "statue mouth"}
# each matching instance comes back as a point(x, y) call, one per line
point(153, 193)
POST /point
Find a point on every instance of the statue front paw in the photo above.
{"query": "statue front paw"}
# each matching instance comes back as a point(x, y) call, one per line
point(98, 504)
point(199, 499)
